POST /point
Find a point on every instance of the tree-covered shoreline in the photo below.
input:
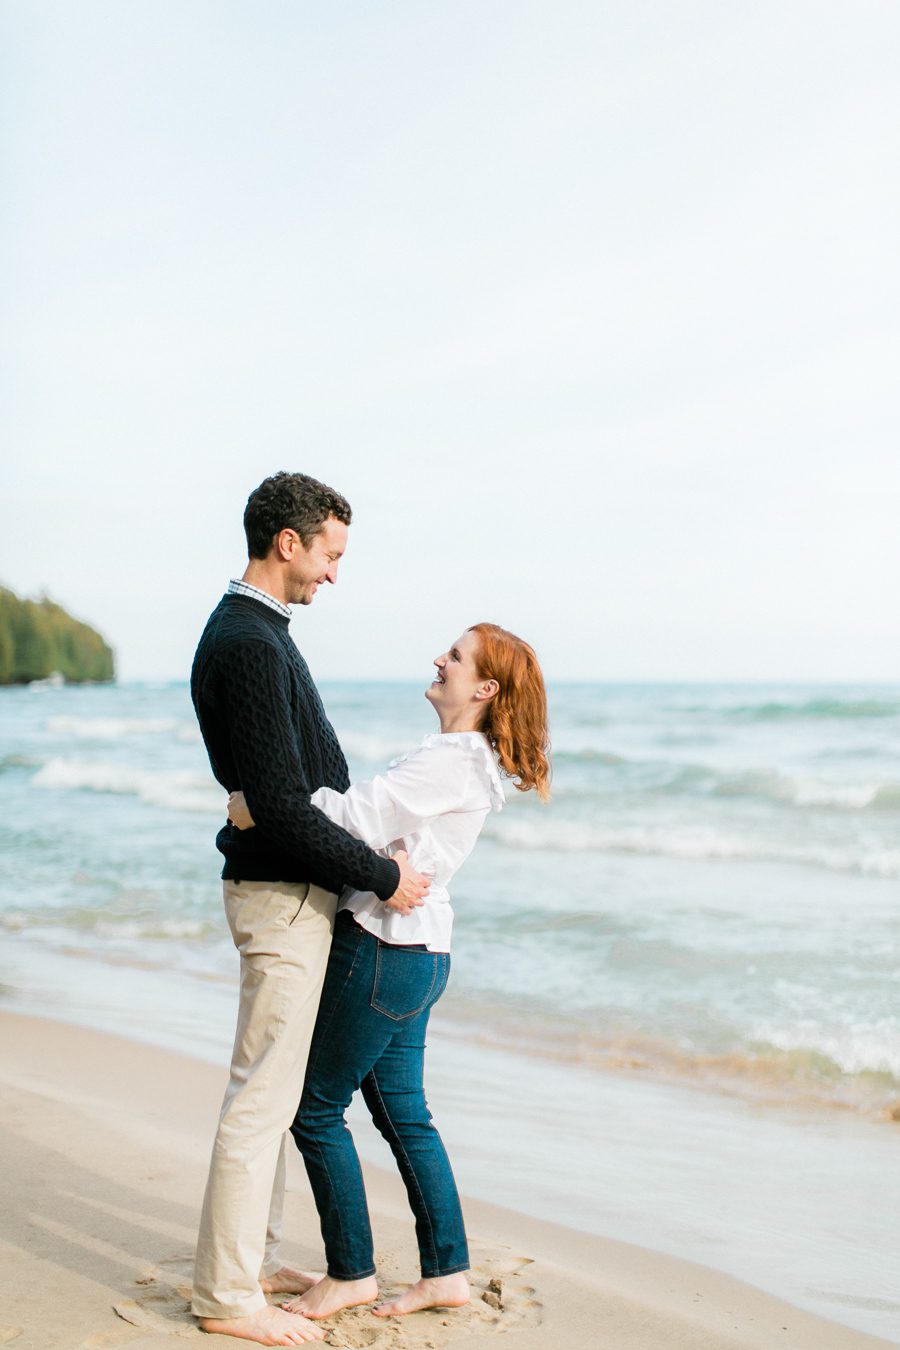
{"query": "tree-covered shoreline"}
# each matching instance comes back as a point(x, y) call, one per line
point(38, 638)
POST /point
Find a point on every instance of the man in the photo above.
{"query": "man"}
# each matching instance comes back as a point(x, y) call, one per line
point(266, 732)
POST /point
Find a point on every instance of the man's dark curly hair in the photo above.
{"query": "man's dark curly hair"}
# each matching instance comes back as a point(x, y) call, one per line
point(290, 501)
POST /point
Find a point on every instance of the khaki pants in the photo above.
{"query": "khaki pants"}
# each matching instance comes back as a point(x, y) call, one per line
point(283, 933)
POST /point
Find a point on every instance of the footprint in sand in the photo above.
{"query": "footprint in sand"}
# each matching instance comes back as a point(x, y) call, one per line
point(350, 1334)
point(502, 1301)
point(137, 1314)
point(125, 1339)
point(178, 1270)
point(161, 1299)
point(501, 1296)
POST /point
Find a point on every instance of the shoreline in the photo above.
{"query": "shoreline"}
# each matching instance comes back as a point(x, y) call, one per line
point(796, 1202)
point(107, 1142)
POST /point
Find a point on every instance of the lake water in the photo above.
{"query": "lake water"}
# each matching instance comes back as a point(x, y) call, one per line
point(699, 935)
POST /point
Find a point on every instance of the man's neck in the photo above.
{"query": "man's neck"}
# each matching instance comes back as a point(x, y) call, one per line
point(266, 578)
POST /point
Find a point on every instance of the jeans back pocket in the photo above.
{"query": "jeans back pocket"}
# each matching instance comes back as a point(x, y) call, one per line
point(408, 980)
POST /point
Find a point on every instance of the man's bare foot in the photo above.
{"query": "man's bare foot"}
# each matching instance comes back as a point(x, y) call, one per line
point(329, 1296)
point(444, 1291)
point(269, 1326)
point(287, 1280)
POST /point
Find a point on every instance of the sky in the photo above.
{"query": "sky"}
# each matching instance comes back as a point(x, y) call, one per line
point(590, 309)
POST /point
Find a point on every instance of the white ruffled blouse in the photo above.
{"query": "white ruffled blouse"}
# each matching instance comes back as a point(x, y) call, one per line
point(433, 802)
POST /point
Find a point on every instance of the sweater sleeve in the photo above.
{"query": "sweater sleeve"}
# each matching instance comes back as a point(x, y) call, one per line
point(430, 782)
point(267, 753)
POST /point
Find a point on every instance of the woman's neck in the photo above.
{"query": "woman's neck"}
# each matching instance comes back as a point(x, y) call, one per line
point(460, 721)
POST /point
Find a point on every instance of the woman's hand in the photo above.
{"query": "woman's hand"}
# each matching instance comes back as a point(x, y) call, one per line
point(239, 812)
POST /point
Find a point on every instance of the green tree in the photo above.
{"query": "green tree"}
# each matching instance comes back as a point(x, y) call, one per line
point(38, 637)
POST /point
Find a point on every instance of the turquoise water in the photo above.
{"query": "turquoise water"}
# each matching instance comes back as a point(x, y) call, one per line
point(711, 894)
point(708, 905)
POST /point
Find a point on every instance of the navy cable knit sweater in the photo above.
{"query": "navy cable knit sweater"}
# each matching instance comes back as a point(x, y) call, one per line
point(267, 733)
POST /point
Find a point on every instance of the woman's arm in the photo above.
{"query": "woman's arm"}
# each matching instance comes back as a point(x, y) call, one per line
point(428, 783)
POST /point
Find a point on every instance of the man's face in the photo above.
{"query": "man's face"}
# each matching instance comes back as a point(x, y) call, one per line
point(310, 567)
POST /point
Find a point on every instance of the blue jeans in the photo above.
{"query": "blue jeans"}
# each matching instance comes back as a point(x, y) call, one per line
point(370, 1033)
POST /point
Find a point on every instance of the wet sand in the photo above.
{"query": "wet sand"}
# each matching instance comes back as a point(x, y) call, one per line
point(105, 1144)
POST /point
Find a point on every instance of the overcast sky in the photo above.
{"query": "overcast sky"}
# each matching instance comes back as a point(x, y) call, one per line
point(591, 310)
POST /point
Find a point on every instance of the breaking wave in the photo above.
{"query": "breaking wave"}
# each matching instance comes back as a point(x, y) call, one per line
point(110, 728)
point(672, 779)
point(856, 1070)
point(696, 843)
point(177, 790)
point(818, 709)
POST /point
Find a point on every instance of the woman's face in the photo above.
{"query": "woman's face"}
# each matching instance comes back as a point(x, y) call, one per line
point(453, 688)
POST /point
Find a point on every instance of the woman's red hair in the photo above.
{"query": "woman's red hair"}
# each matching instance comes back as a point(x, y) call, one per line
point(516, 721)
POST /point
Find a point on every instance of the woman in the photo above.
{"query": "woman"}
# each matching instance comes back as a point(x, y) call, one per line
point(387, 970)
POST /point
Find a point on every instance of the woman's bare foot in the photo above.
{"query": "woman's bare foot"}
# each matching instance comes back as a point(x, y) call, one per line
point(287, 1280)
point(330, 1296)
point(444, 1291)
point(269, 1326)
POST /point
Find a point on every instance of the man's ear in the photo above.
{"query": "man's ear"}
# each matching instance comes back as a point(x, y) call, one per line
point(285, 544)
point(487, 690)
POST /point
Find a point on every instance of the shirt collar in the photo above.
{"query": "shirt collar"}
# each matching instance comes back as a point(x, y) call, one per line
point(236, 587)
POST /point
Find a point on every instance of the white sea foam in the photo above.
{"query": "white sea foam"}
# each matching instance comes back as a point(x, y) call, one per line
point(179, 790)
point(697, 843)
point(873, 1048)
point(189, 734)
point(850, 796)
point(14, 920)
point(111, 728)
point(371, 748)
point(800, 790)
point(130, 929)
point(673, 779)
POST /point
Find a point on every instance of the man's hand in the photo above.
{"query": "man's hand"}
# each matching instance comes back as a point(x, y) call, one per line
point(413, 887)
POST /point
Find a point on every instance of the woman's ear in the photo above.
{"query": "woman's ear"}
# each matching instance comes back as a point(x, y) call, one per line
point(487, 690)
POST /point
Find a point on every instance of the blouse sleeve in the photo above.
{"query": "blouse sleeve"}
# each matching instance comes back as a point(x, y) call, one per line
point(430, 782)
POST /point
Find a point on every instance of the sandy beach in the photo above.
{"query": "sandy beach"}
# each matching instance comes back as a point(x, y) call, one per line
point(105, 1145)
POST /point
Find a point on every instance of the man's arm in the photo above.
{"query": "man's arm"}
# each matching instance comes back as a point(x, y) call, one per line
point(266, 751)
